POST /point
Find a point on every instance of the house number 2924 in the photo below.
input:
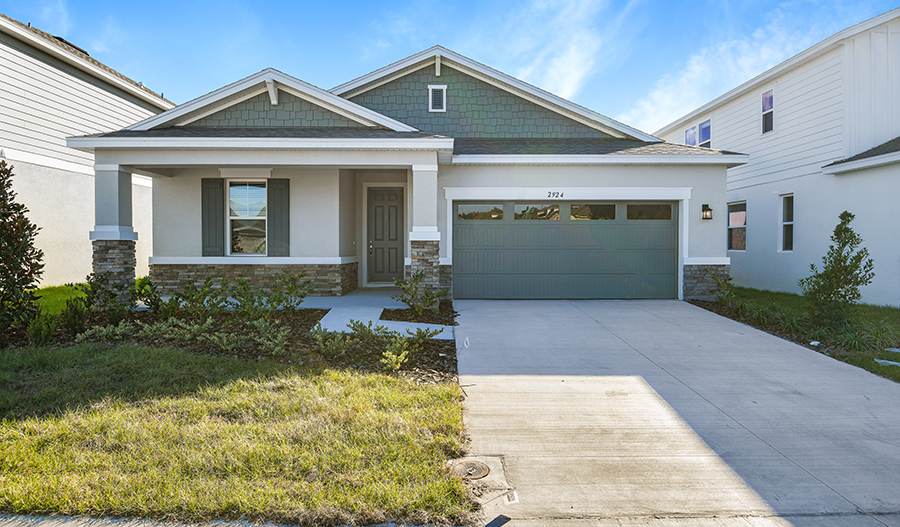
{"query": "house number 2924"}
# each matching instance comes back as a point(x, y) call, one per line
point(552, 194)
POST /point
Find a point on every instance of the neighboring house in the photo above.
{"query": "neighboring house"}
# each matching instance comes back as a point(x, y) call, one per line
point(49, 90)
point(488, 185)
point(823, 133)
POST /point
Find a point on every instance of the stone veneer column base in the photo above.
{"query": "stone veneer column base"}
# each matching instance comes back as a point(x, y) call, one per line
point(327, 280)
point(447, 279)
point(425, 257)
point(116, 260)
point(699, 285)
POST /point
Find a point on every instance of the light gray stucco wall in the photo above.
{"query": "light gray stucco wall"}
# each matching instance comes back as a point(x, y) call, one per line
point(707, 184)
point(314, 212)
point(61, 203)
point(818, 201)
point(347, 197)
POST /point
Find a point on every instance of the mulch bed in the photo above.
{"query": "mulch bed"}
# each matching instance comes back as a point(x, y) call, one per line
point(436, 363)
point(445, 315)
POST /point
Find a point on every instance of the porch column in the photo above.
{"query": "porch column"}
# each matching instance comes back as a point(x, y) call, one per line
point(424, 238)
point(113, 237)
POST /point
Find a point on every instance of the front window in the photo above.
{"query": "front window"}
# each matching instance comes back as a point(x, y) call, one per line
point(768, 111)
point(247, 217)
point(737, 226)
point(787, 223)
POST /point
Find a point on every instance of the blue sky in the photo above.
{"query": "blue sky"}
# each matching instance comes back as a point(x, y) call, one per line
point(644, 62)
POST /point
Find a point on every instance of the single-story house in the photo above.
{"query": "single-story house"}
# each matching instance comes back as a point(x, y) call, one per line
point(492, 187)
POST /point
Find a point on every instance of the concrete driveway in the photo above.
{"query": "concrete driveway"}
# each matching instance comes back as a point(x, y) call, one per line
point(661, 413)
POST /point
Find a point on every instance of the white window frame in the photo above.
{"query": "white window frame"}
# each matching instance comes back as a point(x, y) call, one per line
point(229, 217)
point(762, 114)
point(431, 88)
point(784, 223)
point(708, 143)
point(730, 226)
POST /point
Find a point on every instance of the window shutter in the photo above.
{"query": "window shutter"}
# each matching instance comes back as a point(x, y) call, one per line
point(213, 217)
point(278, 220)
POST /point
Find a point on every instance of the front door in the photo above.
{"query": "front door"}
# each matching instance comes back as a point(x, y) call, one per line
point(385, 234)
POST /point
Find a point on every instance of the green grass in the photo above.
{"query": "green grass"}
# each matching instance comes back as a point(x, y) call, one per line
point(879, 327)
point(53, 298)
point(136, 431)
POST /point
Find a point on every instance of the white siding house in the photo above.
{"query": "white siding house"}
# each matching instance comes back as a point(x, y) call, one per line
point(819, 130)
point(49, 90)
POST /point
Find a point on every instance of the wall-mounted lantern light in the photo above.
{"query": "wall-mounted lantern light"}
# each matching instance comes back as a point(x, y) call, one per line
point(707, 212)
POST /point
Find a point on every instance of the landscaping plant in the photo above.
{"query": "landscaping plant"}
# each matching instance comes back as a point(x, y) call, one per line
point(834, 291)
point(417, 296)
point(21, 263)
point(41, 328)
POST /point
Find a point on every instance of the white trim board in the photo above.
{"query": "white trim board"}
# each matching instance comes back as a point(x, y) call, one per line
point(863, 164)
point(87, 144)
point(12, 156)
point(728, 160)
point(253, 260)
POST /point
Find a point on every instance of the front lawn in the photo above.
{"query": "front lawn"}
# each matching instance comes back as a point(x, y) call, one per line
point(139, 431)
point(785, 314)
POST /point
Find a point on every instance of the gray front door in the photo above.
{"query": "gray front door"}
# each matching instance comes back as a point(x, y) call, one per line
point(567, 249)
point(385, 234)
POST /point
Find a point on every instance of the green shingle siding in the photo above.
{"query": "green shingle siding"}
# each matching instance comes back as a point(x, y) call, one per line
point(290, 111)
point(474, 108)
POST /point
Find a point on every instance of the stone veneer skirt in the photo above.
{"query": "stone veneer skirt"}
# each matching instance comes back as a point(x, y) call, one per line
point(327, 280)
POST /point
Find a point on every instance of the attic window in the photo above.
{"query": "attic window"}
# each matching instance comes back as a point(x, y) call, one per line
point(437, 97)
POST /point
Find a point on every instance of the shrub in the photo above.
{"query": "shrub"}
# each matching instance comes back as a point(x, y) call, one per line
point(21, 263)
point(417, 296)
point(202, 302)
point(396, 354)
point(270, 335)
point(724, 290)
point(121, 331)
point(331, 343)
point(75, 316)
point(833, 291)
point(288, 293)
point(40, 329)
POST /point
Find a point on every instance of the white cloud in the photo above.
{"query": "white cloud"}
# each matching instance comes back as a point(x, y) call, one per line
point(715, 70)
point(55, 17)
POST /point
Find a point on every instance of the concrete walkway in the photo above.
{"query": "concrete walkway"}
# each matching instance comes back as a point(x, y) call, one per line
point(661, 413)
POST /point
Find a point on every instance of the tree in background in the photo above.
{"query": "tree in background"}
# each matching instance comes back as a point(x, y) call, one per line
point(21, 263)
point(834, 291)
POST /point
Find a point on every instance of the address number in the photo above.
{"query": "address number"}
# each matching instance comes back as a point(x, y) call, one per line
point(554, 194)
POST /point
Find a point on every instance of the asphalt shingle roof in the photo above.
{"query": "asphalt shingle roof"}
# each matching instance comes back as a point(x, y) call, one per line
point(573, 146)
point(891, 147)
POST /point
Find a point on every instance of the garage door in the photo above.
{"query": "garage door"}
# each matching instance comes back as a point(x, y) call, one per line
point(564, 250)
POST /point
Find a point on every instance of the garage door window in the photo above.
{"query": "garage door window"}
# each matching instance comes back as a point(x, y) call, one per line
point(593, 212)
point(531, 211)
point(650, 212)
point(480, 211)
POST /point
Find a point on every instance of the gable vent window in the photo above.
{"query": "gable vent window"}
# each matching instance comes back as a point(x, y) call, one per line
point(437, 98)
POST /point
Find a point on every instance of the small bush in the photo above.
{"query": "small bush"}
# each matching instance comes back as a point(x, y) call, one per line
point(121, 331)
point(202, 302)
point(75, 316)
point(116, 314)
point(724, 290)
point(331, 343)
point(834, 291)
point(270, 335)
point(288, 293)
point(40, 329)
point(397, 353)
point(417, 296)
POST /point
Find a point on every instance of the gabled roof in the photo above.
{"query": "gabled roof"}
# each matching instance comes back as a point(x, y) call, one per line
point(268, 80)
point(438, 55)
point(70, 54)
point(884, 154)
point(796, 61)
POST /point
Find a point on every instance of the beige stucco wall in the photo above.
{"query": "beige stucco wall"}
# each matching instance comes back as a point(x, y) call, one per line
point(314, 211)
point(706, 239)
point(61, 203)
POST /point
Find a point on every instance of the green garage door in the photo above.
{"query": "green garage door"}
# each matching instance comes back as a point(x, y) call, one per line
point(575, 250)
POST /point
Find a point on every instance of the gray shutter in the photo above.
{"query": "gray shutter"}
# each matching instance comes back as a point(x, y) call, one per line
point(213, 217)
point(278, 217)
